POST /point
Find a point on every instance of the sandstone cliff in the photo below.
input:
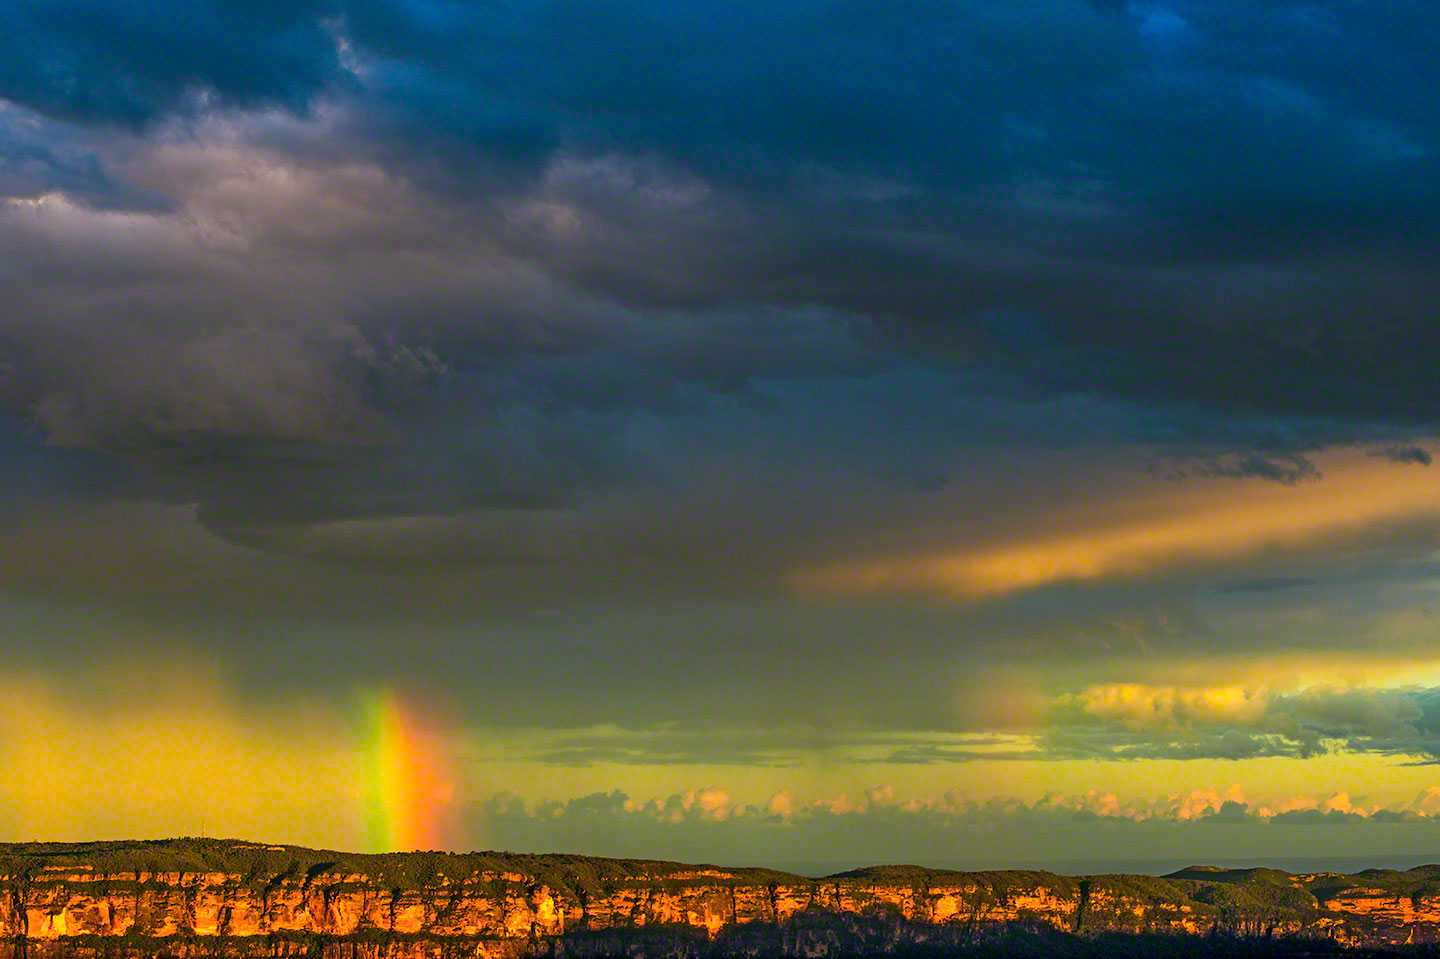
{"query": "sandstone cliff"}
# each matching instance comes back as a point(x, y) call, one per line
point(217, 897)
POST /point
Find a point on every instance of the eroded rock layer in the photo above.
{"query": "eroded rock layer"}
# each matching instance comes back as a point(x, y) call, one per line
point(214, 897)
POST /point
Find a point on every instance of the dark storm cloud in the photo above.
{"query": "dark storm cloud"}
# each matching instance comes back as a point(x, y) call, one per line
point(129, 64)
point(34, 470)
point(1406, 454)
point(423, 257)
point(1280, 468)
point(37, 158)
point(1247, 218)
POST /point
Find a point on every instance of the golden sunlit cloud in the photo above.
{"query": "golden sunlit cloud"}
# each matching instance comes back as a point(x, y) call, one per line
point(1139, 706)
point(1198, 523)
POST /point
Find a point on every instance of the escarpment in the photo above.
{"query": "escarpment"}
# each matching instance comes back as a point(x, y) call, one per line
point(187, 898)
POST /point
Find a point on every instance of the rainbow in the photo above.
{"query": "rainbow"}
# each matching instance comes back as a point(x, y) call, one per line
point(410, 789)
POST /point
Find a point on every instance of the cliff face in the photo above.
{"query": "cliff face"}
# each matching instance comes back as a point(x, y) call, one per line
point(193, 897)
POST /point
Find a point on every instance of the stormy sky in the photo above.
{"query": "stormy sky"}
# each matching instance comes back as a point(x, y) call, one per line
point(778, 433)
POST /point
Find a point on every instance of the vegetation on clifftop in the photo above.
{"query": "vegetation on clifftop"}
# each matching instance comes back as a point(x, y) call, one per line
point(264, 864)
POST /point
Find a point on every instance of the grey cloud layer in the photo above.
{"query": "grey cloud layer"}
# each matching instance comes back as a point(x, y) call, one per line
point(1088, 830)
